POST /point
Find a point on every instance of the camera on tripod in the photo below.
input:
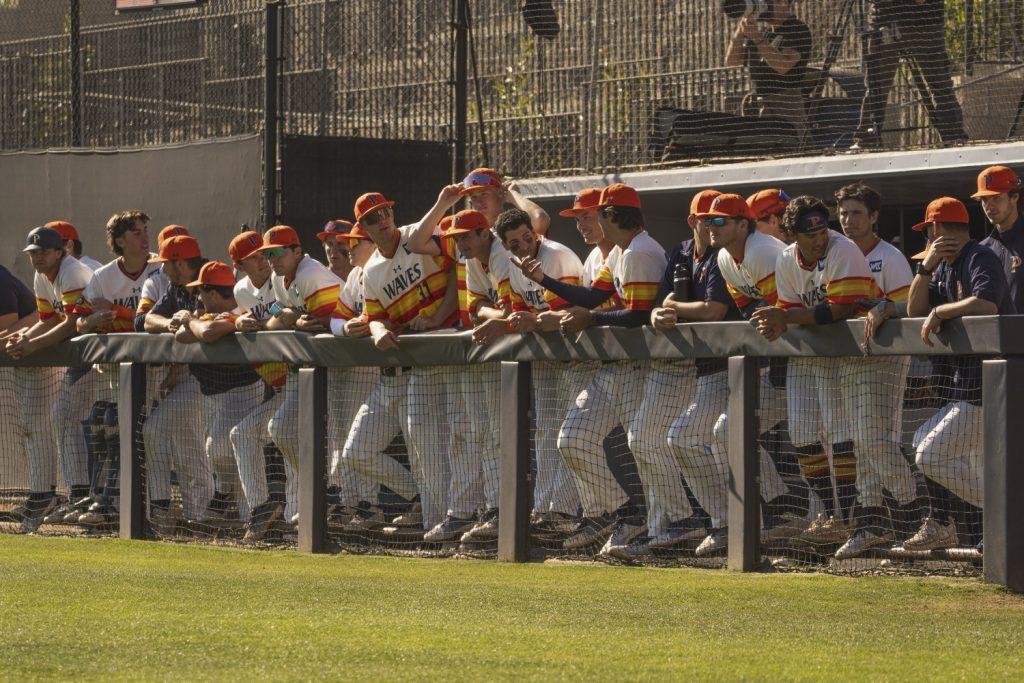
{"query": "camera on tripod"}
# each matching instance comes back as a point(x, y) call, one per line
point(734, 9)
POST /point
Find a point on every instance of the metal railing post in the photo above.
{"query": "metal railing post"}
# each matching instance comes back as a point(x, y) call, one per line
point(271, 90)
point(744, 496)
point(1003, 446)
point(75, 73)
point(312, 460)
point(516, 491)
point(131, 402)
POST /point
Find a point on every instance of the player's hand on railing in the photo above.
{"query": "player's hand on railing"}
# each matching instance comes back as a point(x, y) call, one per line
point(770, 322)
point(523, 322)
point(878, 314)
point(178, 320)
point(384, 339)
point(664, 319)
point(309, 323)
point(576, 320)
point(422, 322)
point(931, 325)
point(489, 330)
point(550, 321)
point(357, 327)
point(530, 266)
point(19, 346)
point(247, 323)
point(98, 320)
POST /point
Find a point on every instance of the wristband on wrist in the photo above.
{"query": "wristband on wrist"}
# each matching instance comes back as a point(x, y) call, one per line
point(922, 270)
point(823, 314)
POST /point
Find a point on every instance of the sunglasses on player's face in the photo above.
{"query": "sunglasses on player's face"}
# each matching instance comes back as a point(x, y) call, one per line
point(715, 221)
point(274, 252)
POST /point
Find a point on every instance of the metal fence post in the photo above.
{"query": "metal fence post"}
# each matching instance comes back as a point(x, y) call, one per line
point(1003, 446)
point(460, 85)
point(131, 402)
point(271, 89)
point(744, 496)
point(312, 413)
point(516, 492)
point(75, 73)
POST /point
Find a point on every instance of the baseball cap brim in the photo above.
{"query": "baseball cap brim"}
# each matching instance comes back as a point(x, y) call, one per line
point(33, 247)
point(985, 193)
point(569, 213)
point(452, 232)
point(366, 213)
point(322, 236)
point(274, 246)
point(717, 214)
point(919, 256)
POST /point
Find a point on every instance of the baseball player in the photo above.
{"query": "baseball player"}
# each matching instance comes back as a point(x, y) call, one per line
point(182, 404)
point(768, 206)
point(820, 278)
point(157, 284)
point(254, 295)
point(633, 269)
point(58, 283)
point(999, 191)
point(876, 396)
point(17, 312)
point(469, 241)
point(307, 293)
point(229, 392)
point(404, 291)
point(555, 497)
point(746, 260)
point(489, 194)
point(108, 305)
point(336, 247)
point(958, 277)
point(72, 243)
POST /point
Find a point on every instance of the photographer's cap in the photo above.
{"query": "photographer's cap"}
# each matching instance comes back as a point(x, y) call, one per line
point(586, 200)
point(702, 201)
point(43, 238)
point(727, 206)
point(996, 180)
point(619, 194)
point(767, 203)
point(944, 210)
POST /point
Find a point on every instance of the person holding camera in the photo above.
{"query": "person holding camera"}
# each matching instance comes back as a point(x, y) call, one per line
point(915, 31)
point(775, 46)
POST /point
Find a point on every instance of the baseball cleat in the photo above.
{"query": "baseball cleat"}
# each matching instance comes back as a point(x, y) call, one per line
point(933, 535)
point(77, 509)
point(449, 529)
point(715, 542)
point(367, 518)
point(589, 530)
point(862, 541)
point(56, 516)
point(552, 522)
point(37, 507)
point(484, 530)
point(162, 521)
point(263, 517)
point(623, 533)
point(98, 513)
point(786, 525)
point(692, 528)
point(825, 530)
point(638, 549)
point(412, 518)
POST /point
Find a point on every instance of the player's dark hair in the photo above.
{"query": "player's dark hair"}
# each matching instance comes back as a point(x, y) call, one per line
point(119, 224)
point(224, 291)
point(195, 263)
point(76, 248)
point(510, 220)
point(797, 209)
point(865, 194)
point(626, 217)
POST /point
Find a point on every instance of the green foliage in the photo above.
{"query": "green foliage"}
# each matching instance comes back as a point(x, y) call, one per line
point(102, 609)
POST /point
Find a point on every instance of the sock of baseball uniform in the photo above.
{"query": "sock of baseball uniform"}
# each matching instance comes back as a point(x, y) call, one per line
point(873, 518)
point(845, 464)
point(907, 518)
point(814, 466)
point(941, 501)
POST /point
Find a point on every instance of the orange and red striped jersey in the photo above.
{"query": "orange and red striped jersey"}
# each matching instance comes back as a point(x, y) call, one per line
point(841, 276)
point(60, 295)
point(558, 262)
point(752, 278)
point(123, 290)
point(313, 290)
point(634, 273)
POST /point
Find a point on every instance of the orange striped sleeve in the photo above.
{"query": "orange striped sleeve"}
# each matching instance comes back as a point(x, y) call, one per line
point(766, 286)
point(555, 302)
point(45, 309)
point(604, 280)
point(848, 290)
point(323, 301)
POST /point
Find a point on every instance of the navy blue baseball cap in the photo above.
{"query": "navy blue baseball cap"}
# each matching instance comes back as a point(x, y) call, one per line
point(44, 238)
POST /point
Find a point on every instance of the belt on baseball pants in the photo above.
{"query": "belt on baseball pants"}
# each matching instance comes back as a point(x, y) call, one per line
point(394, 371)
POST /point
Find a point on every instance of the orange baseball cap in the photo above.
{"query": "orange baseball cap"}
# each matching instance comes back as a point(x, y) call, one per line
point(767, 203)
point(214, 274)
point(178, 247)
point(944, 210)
point(586, 200)
point(919, 256)
point(727, 206)
point(619, 194)
point(701, 201)
point(280, 236)
point(336, 228)
point(356, 233)
point(466, 221)
point(170, 231)
point(371, 201)
point(244, 245)
point(66, 230)
point(996, 180)
point(480, 179)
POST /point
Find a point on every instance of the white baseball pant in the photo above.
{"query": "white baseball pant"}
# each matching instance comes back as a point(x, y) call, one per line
point(12, 437)
point(949, 450)
point(284, 431)
point(248, 438)
point(174, 435)
point(555, 487)
point(74, 403)
point(223, 412)
point(481, 397)
point(815, 403)
point(465, 488)
point(667, 391)
point(37, 390)
point(429, 439)
point(347, 389)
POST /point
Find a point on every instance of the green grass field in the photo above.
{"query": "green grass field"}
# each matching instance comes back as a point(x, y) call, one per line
point(92, 608)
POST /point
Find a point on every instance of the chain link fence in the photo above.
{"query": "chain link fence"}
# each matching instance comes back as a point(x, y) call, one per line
point(569, 86)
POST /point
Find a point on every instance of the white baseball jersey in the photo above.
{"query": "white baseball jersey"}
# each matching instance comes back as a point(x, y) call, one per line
point(752, 278)
point(153, 289)
point(634, 273)
point(841, 276)
point(558, 262)
point(89, 261)
point(404, 285)
point(891, 270)
point(63, 293)
point(488, 284)
point(313, 290)
point(259, 301)
point(591, 269)
point(121, 289)
point(350, 302)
